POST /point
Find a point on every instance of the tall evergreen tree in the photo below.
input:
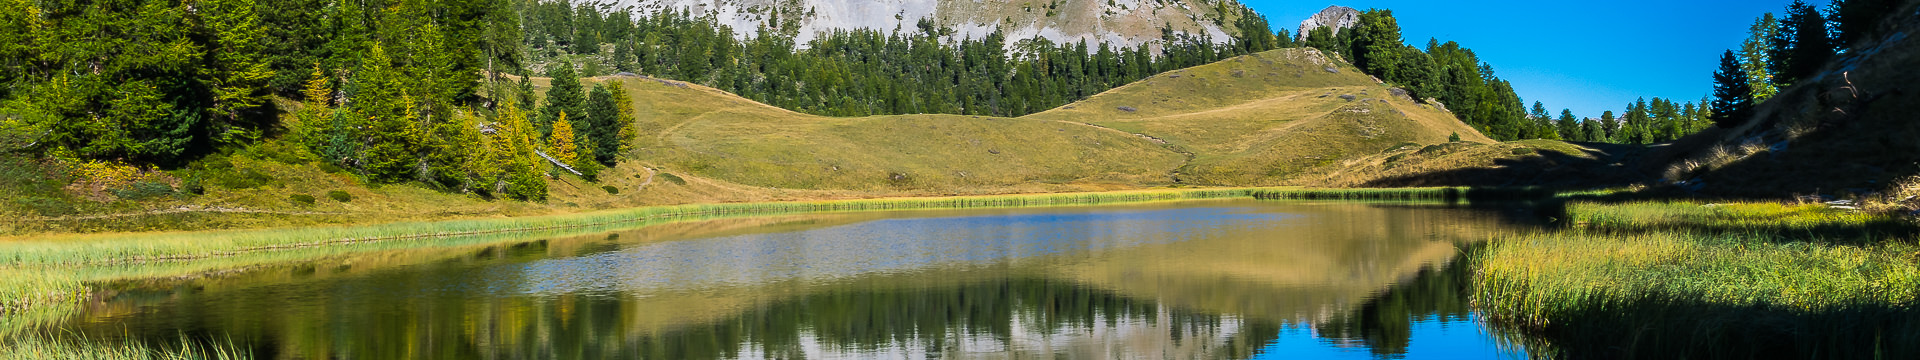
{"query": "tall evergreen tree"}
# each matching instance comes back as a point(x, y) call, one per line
point(1855, 20)
point(1802, 46)
point(565, 95)
point(1569, 126)
point(1732, 95)
point(603, 126)
point(1755, 55)
point(1541, 124)
point(1610, 128)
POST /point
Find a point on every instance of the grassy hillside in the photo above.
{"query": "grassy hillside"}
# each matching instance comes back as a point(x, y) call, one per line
point(1260, 119)
point(716, 135)
point(1265, 118)
point(1847, 131)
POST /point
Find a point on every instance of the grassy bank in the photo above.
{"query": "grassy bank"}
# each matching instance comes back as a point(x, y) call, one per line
point(1692, 280)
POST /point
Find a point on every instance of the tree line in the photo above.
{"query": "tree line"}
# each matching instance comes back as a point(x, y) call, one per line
point(390, 90)
point(926, 69)
point(1783, 51)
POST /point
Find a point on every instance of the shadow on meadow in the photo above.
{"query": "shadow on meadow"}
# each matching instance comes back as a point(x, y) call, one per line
point(1654, 328)
point(1592, 165)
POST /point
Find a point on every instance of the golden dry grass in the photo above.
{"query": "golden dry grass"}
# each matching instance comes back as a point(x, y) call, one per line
point(1267, 118)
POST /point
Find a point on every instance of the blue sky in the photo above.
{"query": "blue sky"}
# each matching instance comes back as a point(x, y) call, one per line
point(1589, 56)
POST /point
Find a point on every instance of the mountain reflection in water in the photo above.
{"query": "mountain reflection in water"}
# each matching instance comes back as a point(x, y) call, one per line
point(1208, 279)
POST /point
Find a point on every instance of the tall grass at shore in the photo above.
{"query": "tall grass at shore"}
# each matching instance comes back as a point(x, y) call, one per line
point(1685, 280)
point(1777, 219)
point(48, 347)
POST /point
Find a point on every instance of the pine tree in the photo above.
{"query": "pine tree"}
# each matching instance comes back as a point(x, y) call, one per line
point(1855, 20)
point(1732, 97)
point(1801, 46)
point(1756, 53)
point(565, 96)
point(1542, 126)
point(237, 74)
point(1610, 127)
point(1569, 126)
point(1636, 122)
point(1592, 130)
point(604, 124)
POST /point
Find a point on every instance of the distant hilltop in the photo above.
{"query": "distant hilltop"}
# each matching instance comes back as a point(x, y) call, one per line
point(1337, 17)
point(1117, 22)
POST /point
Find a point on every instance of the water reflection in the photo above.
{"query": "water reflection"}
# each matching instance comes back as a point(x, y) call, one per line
point(1216, 279)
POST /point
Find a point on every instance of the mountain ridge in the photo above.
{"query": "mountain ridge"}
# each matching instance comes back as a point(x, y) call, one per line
point(1118, 22)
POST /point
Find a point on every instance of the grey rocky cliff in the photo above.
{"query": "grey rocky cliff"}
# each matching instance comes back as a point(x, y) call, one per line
point(1116, 22)
point(1338, 17)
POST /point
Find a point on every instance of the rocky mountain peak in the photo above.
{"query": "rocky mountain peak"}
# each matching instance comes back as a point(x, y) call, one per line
point(1116, 22)
point(1337, 17)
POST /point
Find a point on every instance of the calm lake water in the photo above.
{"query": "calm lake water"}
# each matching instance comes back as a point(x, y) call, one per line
point(1203, 279)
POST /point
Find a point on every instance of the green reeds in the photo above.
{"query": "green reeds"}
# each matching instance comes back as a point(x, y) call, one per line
point(49, 347)
point(1691, 281)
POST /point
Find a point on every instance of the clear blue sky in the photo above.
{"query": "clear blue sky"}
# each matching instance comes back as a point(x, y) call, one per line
point(1589, 56)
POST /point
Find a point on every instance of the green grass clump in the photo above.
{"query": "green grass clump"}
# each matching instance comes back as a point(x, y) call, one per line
point(675, 179)
point(301, 199)
point(49, 347)
point(1778, 219)
point(1437, 194)
point(241, 179)
point(1680, 280)
point(340, 196)
point(610, 189)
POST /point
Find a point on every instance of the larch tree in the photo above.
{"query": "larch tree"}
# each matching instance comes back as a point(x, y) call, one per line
point(562, 145)
point(1756, 53)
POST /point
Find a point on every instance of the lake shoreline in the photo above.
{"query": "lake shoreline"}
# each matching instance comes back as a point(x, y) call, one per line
point(36, 277)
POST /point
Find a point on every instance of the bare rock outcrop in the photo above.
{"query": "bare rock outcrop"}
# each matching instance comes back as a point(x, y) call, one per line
point(1337, 17)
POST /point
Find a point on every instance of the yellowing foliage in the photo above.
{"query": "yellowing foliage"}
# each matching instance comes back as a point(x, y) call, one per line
point(561, 142)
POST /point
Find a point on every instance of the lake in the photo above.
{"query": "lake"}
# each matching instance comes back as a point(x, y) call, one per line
point(1194, 279)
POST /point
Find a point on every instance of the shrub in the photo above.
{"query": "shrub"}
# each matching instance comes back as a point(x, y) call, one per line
point(193, 185)
point(610, 189)
point(242, 179)
point(340, 196)
point(144, 190)
point(1453, 138)
point(1523, 151)
point(107, 173)
point(301, 199)
point(675, 179)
